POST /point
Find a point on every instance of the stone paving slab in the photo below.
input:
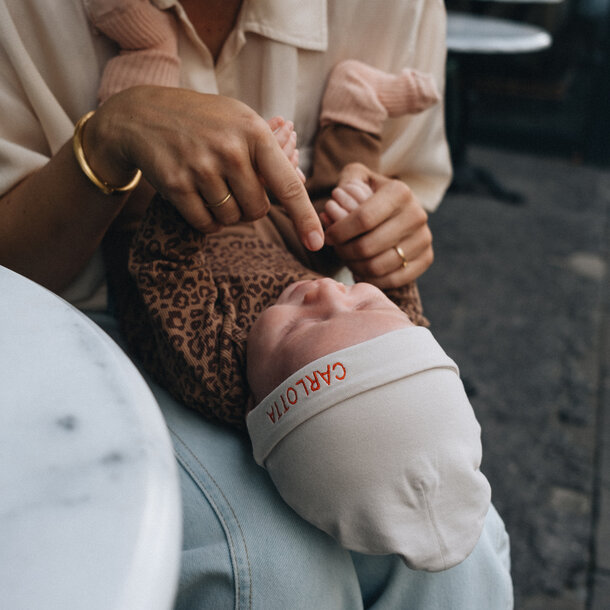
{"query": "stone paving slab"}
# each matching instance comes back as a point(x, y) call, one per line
point(516, 297)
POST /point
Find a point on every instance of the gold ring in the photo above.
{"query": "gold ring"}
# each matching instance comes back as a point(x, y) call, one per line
point(401, 253)
point(221, 202)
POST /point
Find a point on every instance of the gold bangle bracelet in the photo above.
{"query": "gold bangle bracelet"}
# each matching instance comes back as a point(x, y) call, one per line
point(79, 153)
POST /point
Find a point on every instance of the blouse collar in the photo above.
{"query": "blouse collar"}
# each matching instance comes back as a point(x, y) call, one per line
point(293, 22)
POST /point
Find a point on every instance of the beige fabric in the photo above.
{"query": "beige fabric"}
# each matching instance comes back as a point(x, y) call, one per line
point(364, 97)
point(148, 42)
point(378, 446)
point(273, 61)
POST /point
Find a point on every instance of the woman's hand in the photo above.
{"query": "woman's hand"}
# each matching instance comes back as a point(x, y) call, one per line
point(374, 225)
point(195, 149)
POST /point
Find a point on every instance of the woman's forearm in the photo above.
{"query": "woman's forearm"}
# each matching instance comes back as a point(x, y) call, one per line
point(52, 222)
point(192, 148)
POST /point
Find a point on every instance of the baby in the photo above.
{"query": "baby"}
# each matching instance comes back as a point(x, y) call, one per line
point(368, 433)
point(358, 415)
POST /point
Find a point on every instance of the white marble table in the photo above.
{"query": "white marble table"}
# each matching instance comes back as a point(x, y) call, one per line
point(89, 499)
point(467, 33)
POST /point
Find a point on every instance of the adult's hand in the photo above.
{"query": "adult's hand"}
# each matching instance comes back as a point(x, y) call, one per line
point(366, 238)
point(195, 149)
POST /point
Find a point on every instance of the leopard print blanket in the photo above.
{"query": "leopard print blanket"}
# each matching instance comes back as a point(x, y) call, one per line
point(190, 300)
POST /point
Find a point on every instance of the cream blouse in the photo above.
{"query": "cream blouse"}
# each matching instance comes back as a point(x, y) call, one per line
point(276, 60)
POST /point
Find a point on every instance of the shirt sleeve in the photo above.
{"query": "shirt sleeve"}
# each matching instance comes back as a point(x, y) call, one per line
point(43, 88)
point(393, 35)
point(23, 147)
point(415, 146)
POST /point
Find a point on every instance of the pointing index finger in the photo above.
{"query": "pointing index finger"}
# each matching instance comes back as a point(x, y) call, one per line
point(284, 182)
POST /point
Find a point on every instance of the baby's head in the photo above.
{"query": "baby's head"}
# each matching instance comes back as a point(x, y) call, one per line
point(364, 426)
point(313, 318)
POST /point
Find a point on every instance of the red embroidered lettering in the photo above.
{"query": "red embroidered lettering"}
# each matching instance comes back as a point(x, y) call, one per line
point(286, 407)
point(271, 415)
point(314, 384)
point(296, 397)
point(277, 409)
point(325, 376)
point(302, 382)
point(292, 395)
point(338, 364)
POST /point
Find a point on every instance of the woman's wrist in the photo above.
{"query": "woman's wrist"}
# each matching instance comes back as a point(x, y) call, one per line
point(106, 187)
point(101, 153)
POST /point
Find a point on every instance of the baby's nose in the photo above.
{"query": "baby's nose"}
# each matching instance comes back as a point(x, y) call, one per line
point(326, 290)
point(328, 284)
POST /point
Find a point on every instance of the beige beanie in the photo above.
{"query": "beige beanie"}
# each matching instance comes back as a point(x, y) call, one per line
point(378, 446)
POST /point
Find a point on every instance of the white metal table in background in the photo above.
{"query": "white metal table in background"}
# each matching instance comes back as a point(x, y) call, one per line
point(477, 35)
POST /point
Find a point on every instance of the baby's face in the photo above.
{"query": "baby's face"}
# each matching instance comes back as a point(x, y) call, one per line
point(313, 318)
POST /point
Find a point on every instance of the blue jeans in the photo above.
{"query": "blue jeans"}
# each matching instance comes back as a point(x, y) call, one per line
point(244, 548)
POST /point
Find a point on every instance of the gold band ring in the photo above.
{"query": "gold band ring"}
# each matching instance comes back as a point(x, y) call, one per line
point(221, 202)
point(401, 253)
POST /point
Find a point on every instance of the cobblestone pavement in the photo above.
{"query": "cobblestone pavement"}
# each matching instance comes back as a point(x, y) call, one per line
point(519, 296)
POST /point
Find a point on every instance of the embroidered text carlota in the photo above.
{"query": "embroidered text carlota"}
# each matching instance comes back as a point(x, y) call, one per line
point(304, 387)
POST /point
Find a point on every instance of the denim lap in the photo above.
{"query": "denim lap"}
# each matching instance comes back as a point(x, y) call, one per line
point(244, 548)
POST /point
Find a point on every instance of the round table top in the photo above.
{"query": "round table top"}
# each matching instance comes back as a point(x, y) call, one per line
point(89, 509)
point(468, 33)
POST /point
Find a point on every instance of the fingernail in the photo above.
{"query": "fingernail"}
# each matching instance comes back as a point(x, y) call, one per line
point(314, 240)
point(301, 174)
